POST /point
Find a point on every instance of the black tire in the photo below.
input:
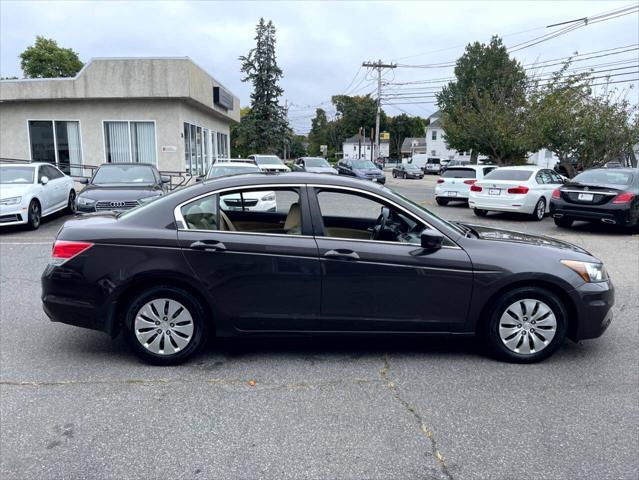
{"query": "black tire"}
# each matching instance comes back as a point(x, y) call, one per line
point(480, 212)
point(404, 176)
point(34, 214)
point(563, 222)
point(441, 201)
point(491, 329)
point(394, 175)
point(71, 203)
point(193, 307)
point(540, 210)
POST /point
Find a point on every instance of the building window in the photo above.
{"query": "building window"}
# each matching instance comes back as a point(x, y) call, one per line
point(433, 152)
point(222, 145)
point(199, 149)
point(57, 142)
point(126, 141)
point(434, 135)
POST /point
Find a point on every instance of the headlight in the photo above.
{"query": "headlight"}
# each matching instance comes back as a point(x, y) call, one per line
point(85, 202)
point(10, 201)
point(590, 272)
point(268, 198)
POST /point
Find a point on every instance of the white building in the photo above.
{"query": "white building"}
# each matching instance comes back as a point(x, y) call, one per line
point(436, 146)
point(164, 111)
point(357, 147)
point(543, 158)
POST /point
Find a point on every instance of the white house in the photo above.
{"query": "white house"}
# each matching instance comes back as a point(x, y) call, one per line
point(360, 146)
point(543, 158)
point(436, 146)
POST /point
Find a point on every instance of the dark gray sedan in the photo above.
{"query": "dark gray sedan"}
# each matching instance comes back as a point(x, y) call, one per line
point(407, 170)
point(337, 256)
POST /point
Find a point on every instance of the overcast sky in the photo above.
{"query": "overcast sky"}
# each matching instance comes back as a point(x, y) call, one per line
point(320, 45)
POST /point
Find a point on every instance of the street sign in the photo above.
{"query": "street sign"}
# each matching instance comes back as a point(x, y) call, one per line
point(384, 135)
point(324, 148)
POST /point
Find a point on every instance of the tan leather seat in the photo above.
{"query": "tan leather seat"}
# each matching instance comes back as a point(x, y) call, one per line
point(293, 223)
point(226, 223)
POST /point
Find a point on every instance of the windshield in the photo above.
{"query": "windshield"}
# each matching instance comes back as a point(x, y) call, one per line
point(503, 174)
point(607, 177)
point(268, 160)
point(16, 175)
point(316, 162)
point(460, 173)
point(362, 164)
point(110, 174)
point(223, 170)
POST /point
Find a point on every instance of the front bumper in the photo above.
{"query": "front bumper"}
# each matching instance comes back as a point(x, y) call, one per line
point(13, 214)
point(594, 302)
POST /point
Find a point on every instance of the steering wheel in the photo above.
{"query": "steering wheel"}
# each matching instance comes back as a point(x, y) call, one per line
point(380, 225)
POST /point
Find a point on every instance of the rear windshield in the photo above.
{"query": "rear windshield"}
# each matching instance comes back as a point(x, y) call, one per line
point(501, 174)
point(460, 173)
point(604, 177)
point(433, 160)
point(268, 160)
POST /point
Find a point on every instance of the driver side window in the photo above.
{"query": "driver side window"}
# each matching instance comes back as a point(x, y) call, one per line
point(353, 216)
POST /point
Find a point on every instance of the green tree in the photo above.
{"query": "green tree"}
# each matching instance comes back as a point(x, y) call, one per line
point(45, 59)
point(484, 109)
point(401, 127)
point(239, 142)
point(265, 127)
point(320, 132)
point(297, 147)
point(568, 119)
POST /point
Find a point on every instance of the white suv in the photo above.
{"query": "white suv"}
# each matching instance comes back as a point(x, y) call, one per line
point(455, 182)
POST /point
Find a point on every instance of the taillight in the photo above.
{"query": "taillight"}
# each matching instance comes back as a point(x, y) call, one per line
point(440, 180)
point(556, 194)
point(475, 188)
point(470, 182)
point(625, 197)
point(520, 190)
point(63, 251)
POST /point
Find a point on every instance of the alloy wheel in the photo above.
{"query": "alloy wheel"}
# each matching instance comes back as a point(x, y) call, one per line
point(72, 205)
point(540, 209)
point(527, 326)
point(163, 326)
point(34, 214)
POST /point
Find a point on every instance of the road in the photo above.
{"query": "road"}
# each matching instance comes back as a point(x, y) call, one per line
point(74, 404)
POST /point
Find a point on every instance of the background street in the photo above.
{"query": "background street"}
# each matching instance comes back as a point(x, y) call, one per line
point(74, 404)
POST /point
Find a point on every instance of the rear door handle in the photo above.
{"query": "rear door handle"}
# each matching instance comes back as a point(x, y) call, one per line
point(342, 253)
point(208, 246)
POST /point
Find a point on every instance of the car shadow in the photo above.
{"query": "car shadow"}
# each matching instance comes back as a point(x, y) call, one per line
point(44, 223)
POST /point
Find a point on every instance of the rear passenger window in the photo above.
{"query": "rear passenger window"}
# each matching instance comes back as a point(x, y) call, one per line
point(201, 214)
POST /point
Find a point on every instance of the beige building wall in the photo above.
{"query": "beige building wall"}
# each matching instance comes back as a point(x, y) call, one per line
point(168, 115)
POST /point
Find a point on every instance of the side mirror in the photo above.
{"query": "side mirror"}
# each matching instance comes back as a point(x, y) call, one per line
point(431, 239)
point(165, 179)
point(44, 180)
point(84, 181)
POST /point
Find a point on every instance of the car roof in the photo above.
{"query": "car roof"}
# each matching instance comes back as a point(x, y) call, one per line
point(623, 169)
point(524, 167)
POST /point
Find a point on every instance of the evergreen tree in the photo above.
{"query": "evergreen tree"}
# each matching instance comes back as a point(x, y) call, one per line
point(265, 127)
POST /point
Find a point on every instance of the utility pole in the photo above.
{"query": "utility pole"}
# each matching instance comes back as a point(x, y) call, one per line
point(378, 65)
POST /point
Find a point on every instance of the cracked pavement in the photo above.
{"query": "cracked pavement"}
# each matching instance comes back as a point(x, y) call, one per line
point(74, 404)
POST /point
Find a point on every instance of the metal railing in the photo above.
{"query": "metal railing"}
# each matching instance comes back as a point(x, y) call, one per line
point(80, 171)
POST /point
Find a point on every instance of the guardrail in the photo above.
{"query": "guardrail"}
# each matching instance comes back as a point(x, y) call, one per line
point(78, 171)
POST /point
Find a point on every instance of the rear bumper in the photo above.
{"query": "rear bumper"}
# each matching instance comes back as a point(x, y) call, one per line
point(517, 205)
point(443, 192)
point(594, 302)
point(618, 215)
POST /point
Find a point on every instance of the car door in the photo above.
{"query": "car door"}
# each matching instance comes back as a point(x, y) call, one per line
point(60, 186)
point(372, 285)
point(262, 280)
point(45, 193)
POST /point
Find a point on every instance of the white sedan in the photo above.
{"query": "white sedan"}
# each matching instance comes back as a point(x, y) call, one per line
point(30, 191)
point(525, 189)
point(455, 182)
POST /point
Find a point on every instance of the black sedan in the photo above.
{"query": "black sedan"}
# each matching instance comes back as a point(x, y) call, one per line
point(327, 260)
point(121, 186)
point(406, 170)
point(603, 195)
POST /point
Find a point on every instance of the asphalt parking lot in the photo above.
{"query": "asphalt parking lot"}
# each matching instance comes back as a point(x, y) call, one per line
point(74, 404)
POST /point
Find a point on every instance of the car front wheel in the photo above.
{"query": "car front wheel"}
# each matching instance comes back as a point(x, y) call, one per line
point(480, 212)
point(34, 215)
point(165, 325)
point(527, 325)
point(71, 203)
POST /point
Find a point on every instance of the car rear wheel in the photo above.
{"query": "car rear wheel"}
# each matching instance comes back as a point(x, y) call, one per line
point(404, 176)
point(394, 175)
point(540, 210)
point(441, 201)
point(480, 212)
point(564, 222)
point(527, 325)
point(165, 325)
point(34, 215)
point(71, 203)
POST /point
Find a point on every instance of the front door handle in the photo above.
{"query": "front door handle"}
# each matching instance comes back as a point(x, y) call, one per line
point(342, 253)
point(208, 246)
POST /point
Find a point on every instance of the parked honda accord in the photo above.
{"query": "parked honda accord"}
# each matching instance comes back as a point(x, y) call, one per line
point(328, 260)
point(121, 186)
point(608, 195)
